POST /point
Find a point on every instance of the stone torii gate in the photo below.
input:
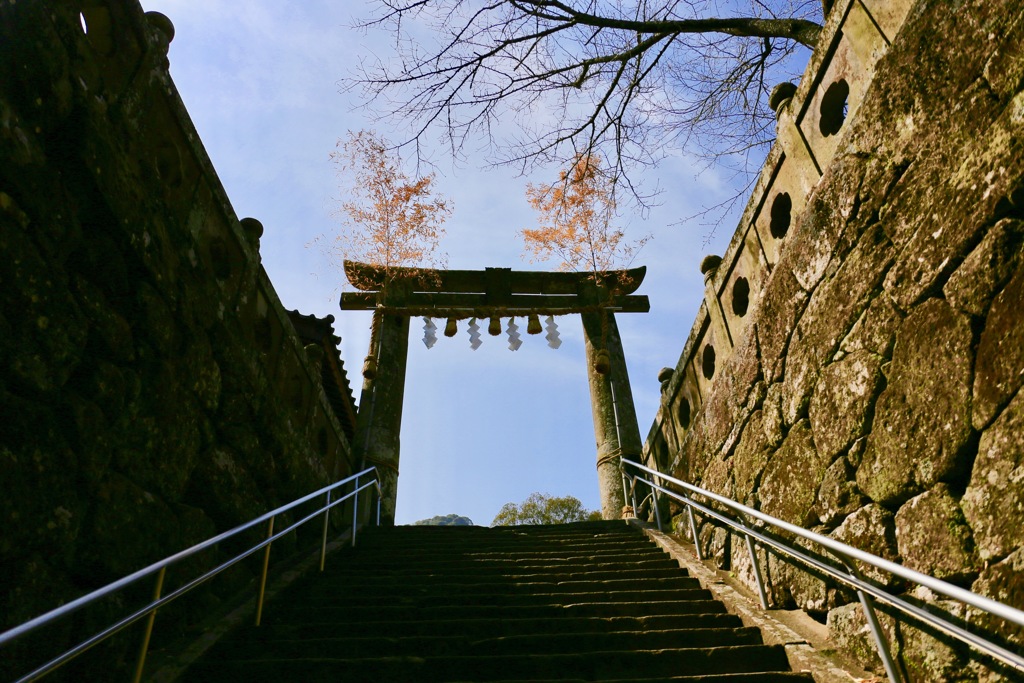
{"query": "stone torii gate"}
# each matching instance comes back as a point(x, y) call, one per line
point(397, 294)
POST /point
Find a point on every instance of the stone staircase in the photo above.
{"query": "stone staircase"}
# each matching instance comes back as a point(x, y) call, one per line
point(592, 601)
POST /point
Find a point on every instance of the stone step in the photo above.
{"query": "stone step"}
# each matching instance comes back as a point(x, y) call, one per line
point(495, 628)
point(569, 528)
point(256, 643)
point(406, 599)
point(592, 666)
point(439, 584)
point(537, 566)
point(608, 551)
point(518, 552)
point(756, 677)
point(387, 541)
point(410, 576)
point(592, 601)
point(346, 613)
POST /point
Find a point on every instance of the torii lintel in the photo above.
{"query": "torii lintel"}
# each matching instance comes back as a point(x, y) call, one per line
point(426, 291)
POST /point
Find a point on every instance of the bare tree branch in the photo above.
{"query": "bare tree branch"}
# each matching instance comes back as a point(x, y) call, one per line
point(549, 80)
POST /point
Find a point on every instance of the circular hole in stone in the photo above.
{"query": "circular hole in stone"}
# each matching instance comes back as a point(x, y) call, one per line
point(707, 364)
point(781, 215)
point(740, 296)
point(833, 108)
point(219, 259)
point(262, 334)
point(168, 164)
point(684, 412)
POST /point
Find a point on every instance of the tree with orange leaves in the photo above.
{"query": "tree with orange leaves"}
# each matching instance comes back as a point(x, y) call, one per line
point(388, 219)
point(576, 217)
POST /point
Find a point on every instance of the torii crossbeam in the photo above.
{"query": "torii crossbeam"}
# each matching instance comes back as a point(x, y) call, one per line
point(442, 293)
point(397, 294)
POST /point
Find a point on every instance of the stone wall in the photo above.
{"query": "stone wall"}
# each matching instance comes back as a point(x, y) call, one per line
point(857, 365)
point(152, 388)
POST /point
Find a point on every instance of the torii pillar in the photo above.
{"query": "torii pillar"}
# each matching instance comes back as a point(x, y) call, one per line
point(379, 423)
point(615, 425)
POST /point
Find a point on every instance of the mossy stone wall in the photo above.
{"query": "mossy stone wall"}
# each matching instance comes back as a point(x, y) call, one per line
point(152, 389)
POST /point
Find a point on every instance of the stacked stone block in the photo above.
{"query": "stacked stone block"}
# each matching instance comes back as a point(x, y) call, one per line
point(873, 392)
point(152, 389)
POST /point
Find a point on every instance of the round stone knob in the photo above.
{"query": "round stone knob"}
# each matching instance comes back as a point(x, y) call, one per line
point(781, 94)
point(162, 24)
point(253, 230)
point(710, 264)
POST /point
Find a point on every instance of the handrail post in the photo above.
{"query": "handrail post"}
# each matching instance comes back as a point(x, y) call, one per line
point(378, 508)
point(757, 571)
point(654, 499)
point(323, 543)
point(654, 502)
point(881, 642)
point(144, 650)
point(263, 575)
point(355, 512)
point(693, 532)
point(625, 486)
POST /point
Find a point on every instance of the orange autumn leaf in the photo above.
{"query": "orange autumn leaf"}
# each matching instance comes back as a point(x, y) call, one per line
point(388, 219)
point(576, 221)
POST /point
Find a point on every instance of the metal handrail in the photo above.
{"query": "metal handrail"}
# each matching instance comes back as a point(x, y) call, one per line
point(847, 575)
point(159, 568)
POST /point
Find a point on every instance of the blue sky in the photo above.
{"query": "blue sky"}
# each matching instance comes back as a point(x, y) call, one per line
point(481, 428)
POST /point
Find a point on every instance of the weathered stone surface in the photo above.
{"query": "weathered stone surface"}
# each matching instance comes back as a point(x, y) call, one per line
point(110, 334)
point(736, 396)
point(127, 362)
point(750, 456)
point(37, 580)
point(717, 477)
point(934, 163)
point(720, 547)
point(849, 630)
point(124, 510)
point(790, 482)
point(771, 420)
point(986, 269)
point(693, 452)
point(841, 405)
point(838, 495)
point(933, 537)
point(792, 585)
point(960, 170)
point(931, 656)
point(1003, 582)
point(999, 370)
point(780, 308)
point(875, 331)
point(922, 418)
point(825, 235)
point(834, 308)
point(871, 529)
point(49, 521)
point(994, 501)
point(218, 473)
